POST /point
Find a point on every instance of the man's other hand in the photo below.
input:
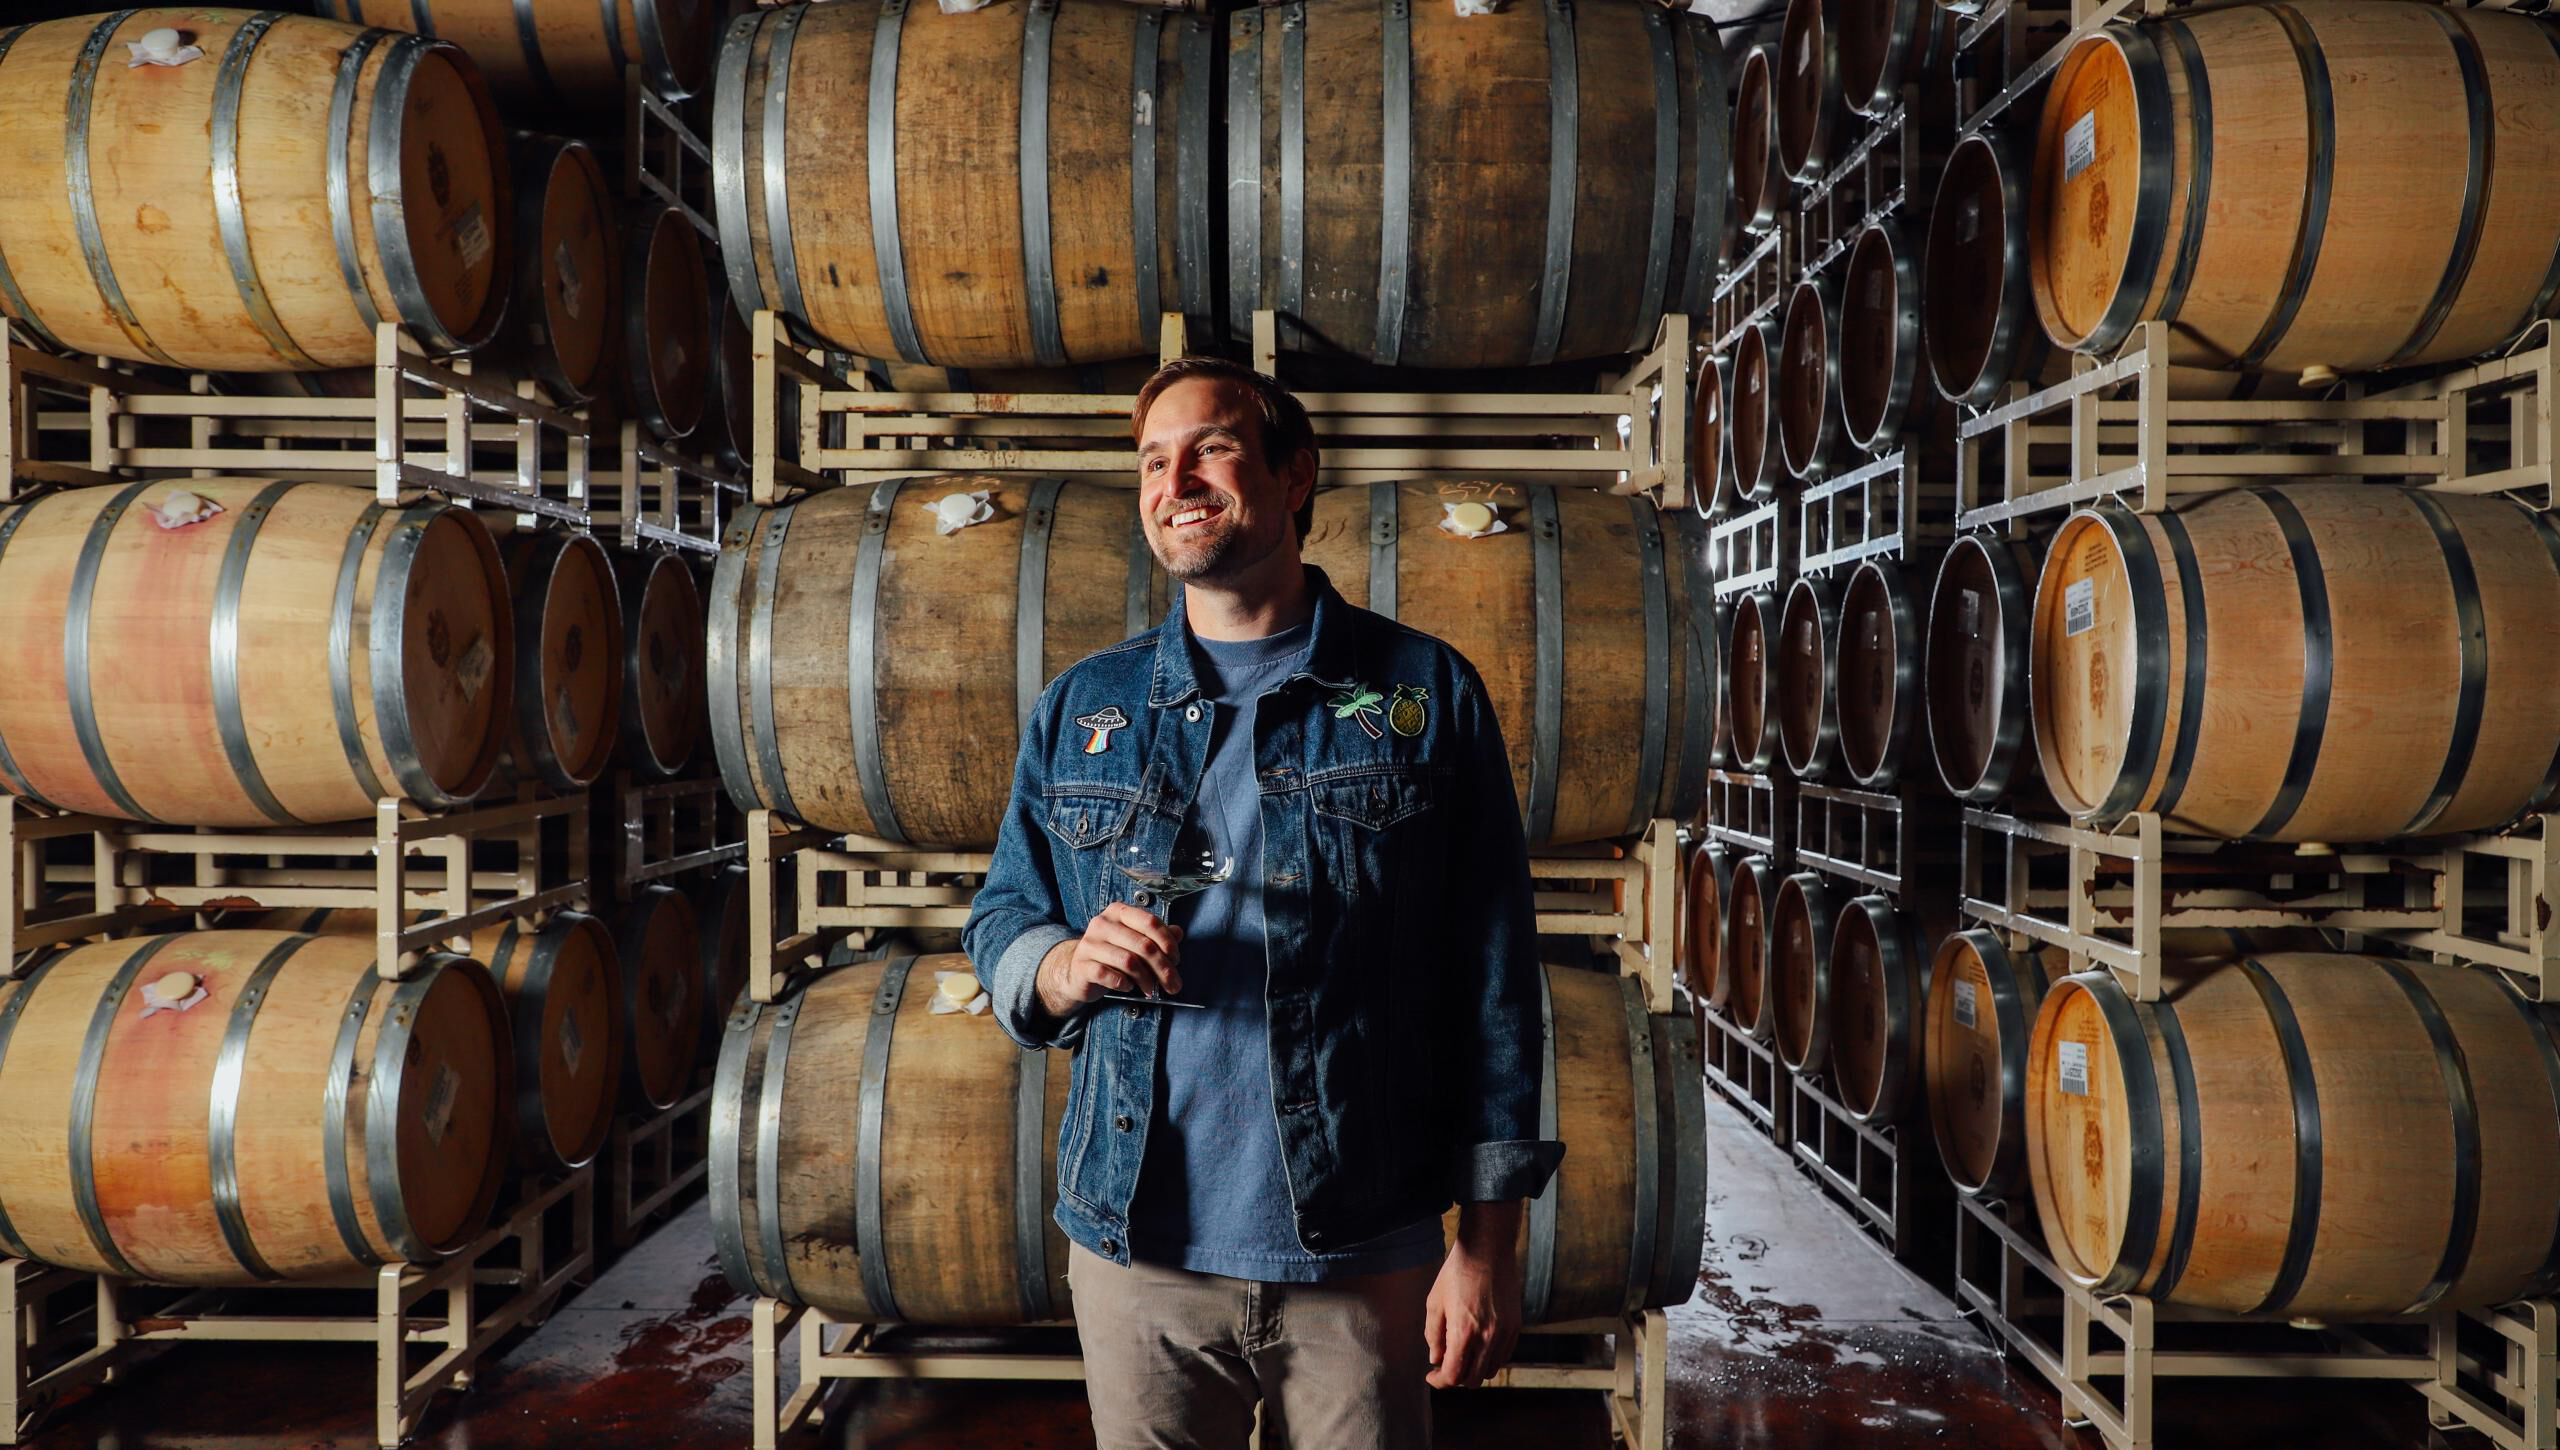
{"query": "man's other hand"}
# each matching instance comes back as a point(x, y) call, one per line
point(1473, 1316)
point(1122, 950)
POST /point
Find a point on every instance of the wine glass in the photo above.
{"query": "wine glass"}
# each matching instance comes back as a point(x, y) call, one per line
point(1195, 866)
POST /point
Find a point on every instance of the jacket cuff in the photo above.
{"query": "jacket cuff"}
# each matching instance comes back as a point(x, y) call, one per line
point(1500, 1172)
point(1016, 990)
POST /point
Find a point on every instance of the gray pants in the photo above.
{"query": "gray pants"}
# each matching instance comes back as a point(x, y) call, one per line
point(1175, 1360)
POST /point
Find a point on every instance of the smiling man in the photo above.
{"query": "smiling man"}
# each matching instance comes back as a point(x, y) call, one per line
point(1263, 873)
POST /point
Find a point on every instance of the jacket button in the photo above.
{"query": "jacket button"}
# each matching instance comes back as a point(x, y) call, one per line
point(1110, 1248)
point(1192, 714)
point(1123, 1123)
point(1137, 1011)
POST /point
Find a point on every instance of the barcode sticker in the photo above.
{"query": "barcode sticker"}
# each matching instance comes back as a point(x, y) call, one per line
point(1964, 1005)
point(438, 1118)
point(2080, 607)
point(2080, 146)
point(1804, 53)
point(1968, 221)
point(573, 1043)
point(471, 240)
point(1969, 611)
point(2075, 1068)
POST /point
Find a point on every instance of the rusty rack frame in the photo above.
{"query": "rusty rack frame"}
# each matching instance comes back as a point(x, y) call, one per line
point(1630, 435)
point(405, 859)
point(2425, 890)
point(2506, 1391)
point(1625, 1359)
point(465, 424)
point(1885, 508)
point(861, 885)
point(523, 1258)
point(1887, 1175)
point(1754, 549)
point(1889, 841)
point(652, 1160)
point(1753, 289)
point(667, 828)
point(1748, 1073)
point(1757, 813)
point(2118, 430)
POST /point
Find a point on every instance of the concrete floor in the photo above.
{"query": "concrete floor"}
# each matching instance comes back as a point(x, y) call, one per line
point(1802, 1335)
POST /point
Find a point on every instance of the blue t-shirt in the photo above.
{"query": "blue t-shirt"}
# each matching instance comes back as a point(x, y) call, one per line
point(1213, 1193)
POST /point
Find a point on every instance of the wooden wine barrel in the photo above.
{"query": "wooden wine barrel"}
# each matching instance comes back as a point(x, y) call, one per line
point(1594, 130)
point(1751, 679)
point(2314, 1135)
point(1752, 427)
point(1982, 1003)
point(1811, 118)
point(1883, 44)
point(1876, 673)
point(2342, 662)
point(1810, 428)
point(1711, 488)
point(1806, 667)
point(1702, 901)
point(666, 326)
point(659, 940)
point(867, 162)
point(940, 657)
point(290, 659)
point(1974, 676)
point(1760, 186)
point(728, 427)
point(2381, 199)
point(300, 1119)
point(1719, 643)
point(568, 276)
point(1878, 988)
point(569, 656)
point(662, 678)
point(720, 915)
point(131, 229)
point(543, 55)
point(857, 1137)
point(1801, 918)
point(1977, 306)
point(1747, 922)
point(563, 993)
point(1625, 631)
point(1876, 337)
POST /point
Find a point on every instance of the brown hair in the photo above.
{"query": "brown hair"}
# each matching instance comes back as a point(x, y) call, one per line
point(1286, 433)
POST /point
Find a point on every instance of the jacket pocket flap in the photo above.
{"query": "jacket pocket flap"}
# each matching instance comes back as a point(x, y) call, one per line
point(1376, 801)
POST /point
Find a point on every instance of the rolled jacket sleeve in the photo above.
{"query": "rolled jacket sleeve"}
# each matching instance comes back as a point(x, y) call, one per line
point(1018, 918)
point(1497, 1043)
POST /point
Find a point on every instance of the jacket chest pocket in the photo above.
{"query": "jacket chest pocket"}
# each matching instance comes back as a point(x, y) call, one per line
point(1084, 825)
point(1374, 829)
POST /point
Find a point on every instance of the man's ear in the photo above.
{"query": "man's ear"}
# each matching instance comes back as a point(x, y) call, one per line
point(1301, 475)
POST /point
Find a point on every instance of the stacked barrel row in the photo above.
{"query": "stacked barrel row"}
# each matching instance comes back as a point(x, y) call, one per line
point(2315, 662)
point(244, 196)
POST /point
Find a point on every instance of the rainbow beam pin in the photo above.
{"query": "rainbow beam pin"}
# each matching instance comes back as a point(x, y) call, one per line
point(1102, 722)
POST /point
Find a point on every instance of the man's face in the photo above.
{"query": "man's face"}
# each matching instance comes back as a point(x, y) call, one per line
point(1211, 505)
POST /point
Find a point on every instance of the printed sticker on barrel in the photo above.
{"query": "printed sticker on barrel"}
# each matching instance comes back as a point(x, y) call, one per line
point(1965, 1010)
point(2073, 1067)
point(2079, 608)
point(2080, 146)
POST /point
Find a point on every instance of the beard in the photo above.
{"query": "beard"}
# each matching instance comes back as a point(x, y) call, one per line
point(1208, 552)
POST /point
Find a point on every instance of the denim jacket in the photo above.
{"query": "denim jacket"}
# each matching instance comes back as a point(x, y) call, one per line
point(1405, 1039)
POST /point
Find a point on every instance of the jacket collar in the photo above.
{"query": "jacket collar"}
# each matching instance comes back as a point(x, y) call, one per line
point(1333, 653)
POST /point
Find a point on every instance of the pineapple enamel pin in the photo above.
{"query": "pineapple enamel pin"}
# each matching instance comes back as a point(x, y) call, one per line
point(1405, 714)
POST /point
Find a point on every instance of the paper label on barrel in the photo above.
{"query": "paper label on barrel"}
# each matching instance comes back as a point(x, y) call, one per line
point(573, 1044)
point(438, 1118)
point(471, 237)
point(571, 287)
point(2072, 1059)
point(1875, 289)
point(2080, 607)
point(1804, 53)
point(1969, 611)
point(2080, 146)
point(1965, 1017)
point(1968, 221)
